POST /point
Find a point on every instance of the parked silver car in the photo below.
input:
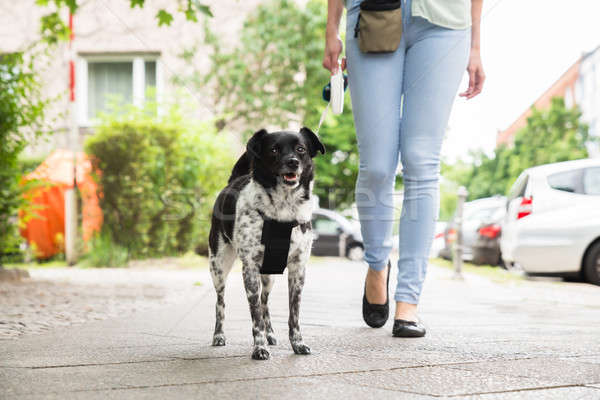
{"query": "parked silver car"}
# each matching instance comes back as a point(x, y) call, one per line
point(552, 223)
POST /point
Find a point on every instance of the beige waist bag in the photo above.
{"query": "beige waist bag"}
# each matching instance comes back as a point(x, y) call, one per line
point(379, 26)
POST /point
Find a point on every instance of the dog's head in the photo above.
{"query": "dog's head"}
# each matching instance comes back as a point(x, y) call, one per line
point(283, 158)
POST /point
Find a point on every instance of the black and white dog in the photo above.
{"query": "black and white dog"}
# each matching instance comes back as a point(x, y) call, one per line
point(272, 181)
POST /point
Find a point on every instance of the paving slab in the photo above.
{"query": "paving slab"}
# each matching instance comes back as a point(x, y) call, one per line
point(484, 339)
point(556, 371)
point(276, 389)
point(122, 355)
point(441, 381)
point(183, 371)
point(561, 393)
point(593, 359)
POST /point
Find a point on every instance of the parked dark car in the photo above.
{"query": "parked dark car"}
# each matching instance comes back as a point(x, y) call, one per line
point(486, 249)
point(478, 248)
point(335, 235)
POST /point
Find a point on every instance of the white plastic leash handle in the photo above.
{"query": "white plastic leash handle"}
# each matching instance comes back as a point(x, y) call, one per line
point(336, 97)
point(337, 91)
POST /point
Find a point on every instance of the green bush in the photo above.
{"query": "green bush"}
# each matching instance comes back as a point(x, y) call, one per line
point(158, 177)
point(103, 252)
point(21, 115)
point(28, 164)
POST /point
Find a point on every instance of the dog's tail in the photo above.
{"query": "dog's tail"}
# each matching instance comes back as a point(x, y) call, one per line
point(241, 167)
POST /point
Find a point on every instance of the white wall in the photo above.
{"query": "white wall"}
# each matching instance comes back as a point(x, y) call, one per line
point(587, 93)
point(111, 27)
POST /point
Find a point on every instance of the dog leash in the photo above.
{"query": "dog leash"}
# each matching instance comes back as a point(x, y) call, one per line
point(323, 115)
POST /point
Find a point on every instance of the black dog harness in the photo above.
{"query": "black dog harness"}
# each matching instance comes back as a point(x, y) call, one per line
point(276, 236)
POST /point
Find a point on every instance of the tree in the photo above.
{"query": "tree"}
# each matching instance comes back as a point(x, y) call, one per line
point(552, 135)
point(21, 114)
point(53, 28)
point(274, 77)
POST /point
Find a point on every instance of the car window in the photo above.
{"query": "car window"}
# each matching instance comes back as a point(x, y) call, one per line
point(568, 181)
point(325, 226)
point(519, 187)
point(591, 181)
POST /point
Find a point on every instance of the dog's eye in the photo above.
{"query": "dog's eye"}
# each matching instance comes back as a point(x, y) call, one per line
point(300, 149)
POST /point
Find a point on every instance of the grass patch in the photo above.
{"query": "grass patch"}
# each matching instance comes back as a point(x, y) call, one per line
point(192, 260)
point(186, 261)
point(189, 260)
point(36, 264)
point(495, 274)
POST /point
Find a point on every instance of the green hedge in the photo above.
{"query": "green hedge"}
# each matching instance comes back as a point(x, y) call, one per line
point(21, 116)
point(159, 178)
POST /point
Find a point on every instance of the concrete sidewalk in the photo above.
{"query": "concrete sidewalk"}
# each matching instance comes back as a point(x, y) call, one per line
point(514, 340)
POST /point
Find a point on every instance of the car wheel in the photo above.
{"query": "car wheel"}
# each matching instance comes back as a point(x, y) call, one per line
point(591, 267)
point(501, 262)
point(355, 252)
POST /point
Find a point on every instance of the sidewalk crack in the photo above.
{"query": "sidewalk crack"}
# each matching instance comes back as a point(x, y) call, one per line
point(517, 390)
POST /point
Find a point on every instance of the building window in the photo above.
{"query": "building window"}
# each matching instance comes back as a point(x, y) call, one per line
point(582, 88)
point(150, 74)
point(590, 81)
point(593, 127)
point(108, 81)
point(104, 79)
point(569, 98)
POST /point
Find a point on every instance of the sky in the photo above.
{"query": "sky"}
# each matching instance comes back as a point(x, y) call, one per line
point(526, 45)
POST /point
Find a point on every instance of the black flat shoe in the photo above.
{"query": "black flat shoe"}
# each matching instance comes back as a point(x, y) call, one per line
point(376, 315)
point(408, 329)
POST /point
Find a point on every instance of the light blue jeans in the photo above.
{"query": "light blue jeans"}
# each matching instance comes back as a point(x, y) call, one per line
point(401, 104)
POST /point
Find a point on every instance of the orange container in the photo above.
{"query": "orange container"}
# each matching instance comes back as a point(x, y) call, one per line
point(46, 229)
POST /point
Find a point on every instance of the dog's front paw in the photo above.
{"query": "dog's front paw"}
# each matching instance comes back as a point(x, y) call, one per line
point(260, 353)
point(300, 348)
point(271, 339)
point(219, 339)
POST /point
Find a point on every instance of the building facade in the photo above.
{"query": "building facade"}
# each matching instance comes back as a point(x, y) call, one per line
point(120, 53)
point(587, 90)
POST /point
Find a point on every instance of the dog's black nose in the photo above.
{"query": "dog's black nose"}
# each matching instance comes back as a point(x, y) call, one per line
point(293, 163)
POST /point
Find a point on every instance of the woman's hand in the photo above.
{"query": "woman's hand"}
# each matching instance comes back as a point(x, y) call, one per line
point(475, 68)
point(476, 75)
point(333, 43)
point(333, 49)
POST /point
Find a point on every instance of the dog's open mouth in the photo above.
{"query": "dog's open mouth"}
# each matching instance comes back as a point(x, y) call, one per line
point(290, 177)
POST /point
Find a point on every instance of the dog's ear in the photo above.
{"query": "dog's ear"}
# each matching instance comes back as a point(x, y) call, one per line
point(313, 142)
point(253, 147)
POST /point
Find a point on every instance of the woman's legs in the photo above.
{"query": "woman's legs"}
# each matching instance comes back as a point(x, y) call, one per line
point(426, 70)
point(434, 64)
point(375, 82)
